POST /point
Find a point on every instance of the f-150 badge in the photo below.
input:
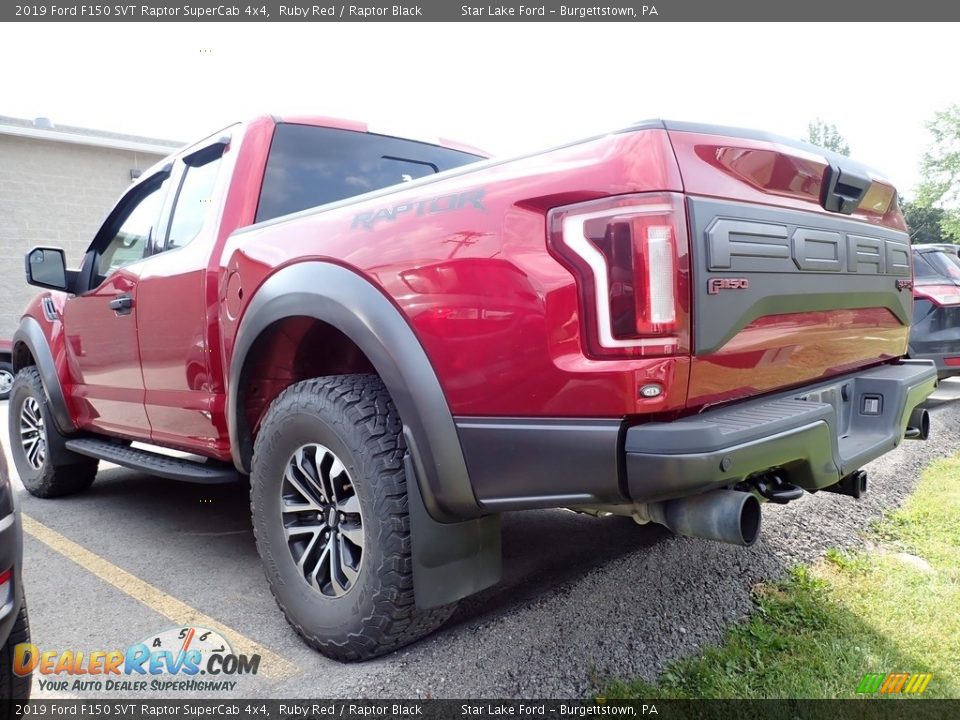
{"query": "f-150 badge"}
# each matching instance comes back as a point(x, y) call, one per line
point(715, 285)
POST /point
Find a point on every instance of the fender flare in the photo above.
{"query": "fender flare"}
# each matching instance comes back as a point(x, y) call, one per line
point(30, 334)
point(342, 298)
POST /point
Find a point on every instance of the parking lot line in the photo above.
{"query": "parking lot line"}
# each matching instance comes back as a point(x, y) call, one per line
point(272, 665)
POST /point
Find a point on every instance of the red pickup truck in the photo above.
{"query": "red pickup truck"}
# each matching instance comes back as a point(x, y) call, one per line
point(397, 341)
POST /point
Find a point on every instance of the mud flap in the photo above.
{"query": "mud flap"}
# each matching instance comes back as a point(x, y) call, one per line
point(450, 560)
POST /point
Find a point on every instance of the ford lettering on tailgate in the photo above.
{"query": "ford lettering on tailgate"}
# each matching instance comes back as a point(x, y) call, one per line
point(747, 246)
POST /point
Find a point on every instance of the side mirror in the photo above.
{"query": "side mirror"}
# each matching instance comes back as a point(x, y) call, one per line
point(47, 268)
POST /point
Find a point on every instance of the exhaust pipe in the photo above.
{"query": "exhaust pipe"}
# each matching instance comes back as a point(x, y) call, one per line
point(854, 485)
point(918, 426)
point(728, 516)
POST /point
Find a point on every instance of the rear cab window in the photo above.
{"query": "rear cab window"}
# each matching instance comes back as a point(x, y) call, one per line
point(310, 166)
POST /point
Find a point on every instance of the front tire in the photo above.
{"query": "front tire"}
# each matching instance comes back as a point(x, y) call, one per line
point(46, 468)
point(329, 503)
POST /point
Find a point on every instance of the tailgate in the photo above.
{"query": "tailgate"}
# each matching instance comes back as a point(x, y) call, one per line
point(801, 263)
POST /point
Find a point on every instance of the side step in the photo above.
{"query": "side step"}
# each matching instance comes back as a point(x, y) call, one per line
point(210, 472)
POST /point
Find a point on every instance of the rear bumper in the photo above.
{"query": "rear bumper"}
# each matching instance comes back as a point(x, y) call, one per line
point(815, 436)
point(939, 358)
point(944, 371)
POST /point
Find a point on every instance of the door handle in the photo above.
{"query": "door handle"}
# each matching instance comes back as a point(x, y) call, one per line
point(122, 304)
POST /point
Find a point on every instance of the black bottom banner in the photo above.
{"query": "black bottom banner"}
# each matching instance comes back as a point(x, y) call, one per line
point(913, 708)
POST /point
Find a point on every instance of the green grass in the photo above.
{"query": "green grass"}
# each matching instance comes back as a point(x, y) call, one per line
point(815, 634)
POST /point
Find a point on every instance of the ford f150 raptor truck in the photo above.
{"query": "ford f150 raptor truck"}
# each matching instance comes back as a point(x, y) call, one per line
point(398, 341)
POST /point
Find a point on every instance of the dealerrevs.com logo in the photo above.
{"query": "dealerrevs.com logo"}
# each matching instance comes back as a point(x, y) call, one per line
point(185, 659)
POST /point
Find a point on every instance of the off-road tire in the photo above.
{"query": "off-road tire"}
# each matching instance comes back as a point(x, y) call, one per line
point(13, 686)
point(355, 418)
point(71, 473)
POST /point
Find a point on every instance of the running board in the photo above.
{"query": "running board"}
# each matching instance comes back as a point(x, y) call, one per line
point(210, 472)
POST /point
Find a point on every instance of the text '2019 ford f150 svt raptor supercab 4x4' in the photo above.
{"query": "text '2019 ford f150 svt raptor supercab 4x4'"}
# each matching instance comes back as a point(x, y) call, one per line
point(398, 341)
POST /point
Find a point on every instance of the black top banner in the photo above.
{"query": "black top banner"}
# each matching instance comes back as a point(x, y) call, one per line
point(475, 11)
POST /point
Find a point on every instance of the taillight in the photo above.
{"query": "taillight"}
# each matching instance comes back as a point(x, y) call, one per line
point(630, 256)
point(938, 294)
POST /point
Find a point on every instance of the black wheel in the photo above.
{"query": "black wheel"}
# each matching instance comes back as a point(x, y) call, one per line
point(329, 502)
point(13, 686)
point(6, 379)
point(46, 468)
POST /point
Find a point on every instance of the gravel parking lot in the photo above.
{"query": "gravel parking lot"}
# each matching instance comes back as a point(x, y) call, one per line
point(581, 598)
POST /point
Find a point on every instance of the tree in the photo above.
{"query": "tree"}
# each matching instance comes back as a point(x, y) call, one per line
point(923, 222)
point(940, 171)
point(827, 136)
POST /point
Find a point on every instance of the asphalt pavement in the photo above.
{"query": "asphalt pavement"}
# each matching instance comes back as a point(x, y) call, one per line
point(582, 599)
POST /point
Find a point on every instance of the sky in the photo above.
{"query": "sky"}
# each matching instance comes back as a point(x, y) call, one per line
point(508, 88)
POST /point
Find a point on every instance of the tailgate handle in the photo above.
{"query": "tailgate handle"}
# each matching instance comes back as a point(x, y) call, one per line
point(842, 190)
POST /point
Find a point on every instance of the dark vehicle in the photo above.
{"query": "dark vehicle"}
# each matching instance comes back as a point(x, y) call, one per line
point(399, 341)
point(6, 368)
point(14, 626)
point(935, 334)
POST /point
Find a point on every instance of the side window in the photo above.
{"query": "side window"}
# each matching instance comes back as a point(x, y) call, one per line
point(192, 205)
point(310, 166)
point(132, 240)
